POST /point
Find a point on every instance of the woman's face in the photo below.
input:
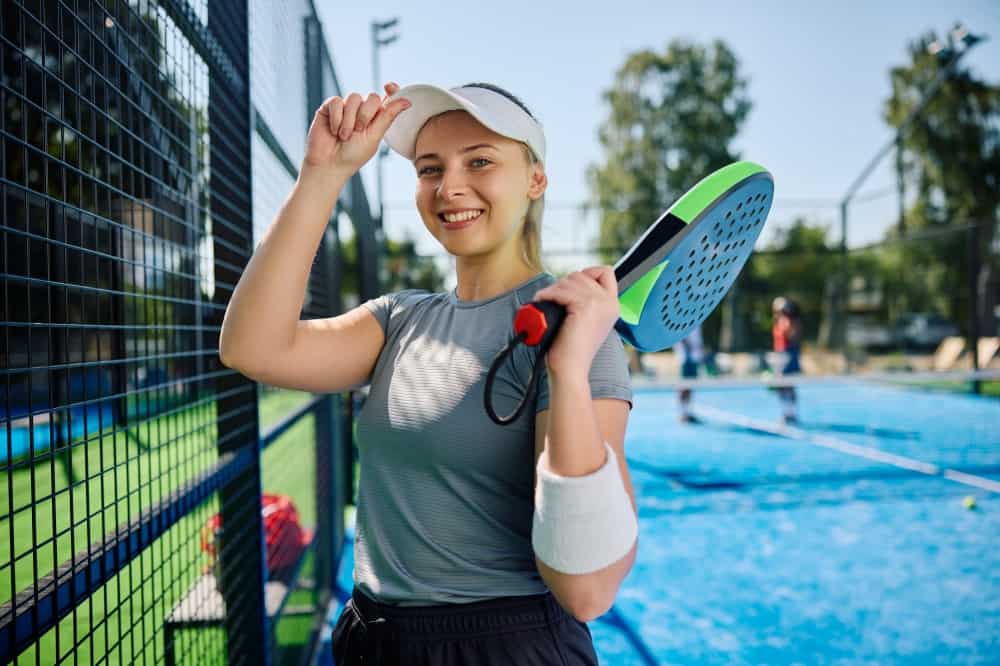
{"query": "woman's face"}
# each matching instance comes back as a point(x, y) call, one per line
point(474, 186)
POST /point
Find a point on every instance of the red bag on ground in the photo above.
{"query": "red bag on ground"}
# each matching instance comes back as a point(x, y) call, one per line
point(285, 536)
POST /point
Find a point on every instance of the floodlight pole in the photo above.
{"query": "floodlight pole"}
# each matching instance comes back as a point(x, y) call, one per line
point(379, 41)
point(953, 55)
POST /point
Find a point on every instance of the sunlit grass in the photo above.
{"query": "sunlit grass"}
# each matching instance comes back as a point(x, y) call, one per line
point(74, 496)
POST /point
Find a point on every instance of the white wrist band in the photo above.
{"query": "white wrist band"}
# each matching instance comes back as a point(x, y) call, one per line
point(583, 523)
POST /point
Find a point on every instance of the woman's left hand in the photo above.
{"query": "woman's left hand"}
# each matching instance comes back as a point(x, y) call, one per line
point(590, 297)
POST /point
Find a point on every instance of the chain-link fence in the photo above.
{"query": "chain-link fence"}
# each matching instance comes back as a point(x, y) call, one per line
point(150, 513)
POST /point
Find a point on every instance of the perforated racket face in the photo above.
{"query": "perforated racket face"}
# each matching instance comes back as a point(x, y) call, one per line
point(702, 266)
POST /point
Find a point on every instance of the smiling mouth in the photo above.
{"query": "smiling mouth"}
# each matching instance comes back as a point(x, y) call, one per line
point(460, 220)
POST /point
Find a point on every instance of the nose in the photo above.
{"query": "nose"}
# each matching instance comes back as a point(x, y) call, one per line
point(452, 184)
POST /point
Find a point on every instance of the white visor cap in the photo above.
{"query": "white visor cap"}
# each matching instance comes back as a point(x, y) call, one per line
point(493, 110)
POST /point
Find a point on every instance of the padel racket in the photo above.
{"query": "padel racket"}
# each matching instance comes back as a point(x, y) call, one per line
point(672, 278)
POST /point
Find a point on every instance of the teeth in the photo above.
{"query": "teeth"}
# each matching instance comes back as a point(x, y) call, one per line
point(463, 216)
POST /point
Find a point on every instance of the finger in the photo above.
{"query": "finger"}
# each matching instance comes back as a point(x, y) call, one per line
point(542, 294)
point(605, 277)
point(334, 112)
point(572, 281)
point(324, 108)
point(584, 282)
point(367, 111)
point(581, 278)
point(391, 88)
point(350, 116)
point(388, 114)
point(560, 292)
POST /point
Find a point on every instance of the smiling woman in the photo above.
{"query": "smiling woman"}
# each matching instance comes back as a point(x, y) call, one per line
point(480, 183)
point(486, 151)
point(446, 570)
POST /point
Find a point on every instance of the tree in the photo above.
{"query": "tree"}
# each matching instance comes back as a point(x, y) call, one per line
point(405, 269)
point(671, 119)
point(953, 157)
point(797, 264)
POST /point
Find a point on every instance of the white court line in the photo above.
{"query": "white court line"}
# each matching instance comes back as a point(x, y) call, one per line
point(902, 379)
point(853, 449)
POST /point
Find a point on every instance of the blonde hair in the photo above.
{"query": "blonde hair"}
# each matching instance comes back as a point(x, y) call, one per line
point(531, 232)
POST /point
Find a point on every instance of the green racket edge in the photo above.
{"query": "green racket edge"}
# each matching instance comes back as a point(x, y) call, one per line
point(692, 204)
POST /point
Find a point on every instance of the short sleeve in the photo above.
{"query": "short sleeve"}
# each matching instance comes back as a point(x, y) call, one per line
point(392, 312)
point(391, 309)
point(381, 307)
point(609, 376)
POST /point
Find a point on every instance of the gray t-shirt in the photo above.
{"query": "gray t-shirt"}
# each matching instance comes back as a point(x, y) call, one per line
point(446, 496)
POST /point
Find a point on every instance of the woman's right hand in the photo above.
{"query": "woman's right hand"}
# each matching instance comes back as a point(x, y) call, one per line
point(345, 133)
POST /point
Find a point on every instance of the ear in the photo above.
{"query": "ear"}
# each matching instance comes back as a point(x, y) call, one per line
point(538, 181)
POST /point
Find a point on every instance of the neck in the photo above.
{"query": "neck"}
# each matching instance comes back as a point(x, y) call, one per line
point(484, 277)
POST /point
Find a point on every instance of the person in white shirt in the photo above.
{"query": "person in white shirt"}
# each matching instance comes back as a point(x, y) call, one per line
point(690, 354)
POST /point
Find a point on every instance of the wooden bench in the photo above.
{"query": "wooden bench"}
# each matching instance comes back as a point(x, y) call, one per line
point(202, 606)
point(948, 353)
point(988, 348)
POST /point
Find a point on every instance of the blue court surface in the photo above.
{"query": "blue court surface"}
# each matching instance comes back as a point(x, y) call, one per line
point(866, 534)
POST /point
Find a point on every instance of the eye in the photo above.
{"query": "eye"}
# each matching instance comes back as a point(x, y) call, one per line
point(480, 162)
point(426, 170)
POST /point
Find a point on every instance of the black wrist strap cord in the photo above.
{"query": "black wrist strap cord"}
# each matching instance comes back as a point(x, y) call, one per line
point(535, 324)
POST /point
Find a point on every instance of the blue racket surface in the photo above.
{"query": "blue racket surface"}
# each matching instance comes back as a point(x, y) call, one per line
point(667, 292)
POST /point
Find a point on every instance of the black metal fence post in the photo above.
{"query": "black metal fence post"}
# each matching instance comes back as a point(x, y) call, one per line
point(242, 569)
point(329, 510)
point(974, 263)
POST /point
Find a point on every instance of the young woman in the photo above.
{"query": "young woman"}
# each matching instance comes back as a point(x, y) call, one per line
point(475, 543)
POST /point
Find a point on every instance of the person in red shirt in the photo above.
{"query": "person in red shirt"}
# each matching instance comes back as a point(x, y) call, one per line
point(786, 333)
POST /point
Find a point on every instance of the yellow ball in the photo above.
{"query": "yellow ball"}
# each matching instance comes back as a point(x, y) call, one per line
point(969, 502)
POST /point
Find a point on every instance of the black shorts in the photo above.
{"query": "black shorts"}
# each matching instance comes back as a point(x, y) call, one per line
point(527, 631)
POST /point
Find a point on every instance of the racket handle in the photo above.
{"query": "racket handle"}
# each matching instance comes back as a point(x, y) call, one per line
point(539, 321)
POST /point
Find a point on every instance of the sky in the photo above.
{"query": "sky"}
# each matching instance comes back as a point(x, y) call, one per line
point(818, 79)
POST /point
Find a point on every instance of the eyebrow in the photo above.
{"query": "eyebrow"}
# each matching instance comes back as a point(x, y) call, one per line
point(464, 150)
